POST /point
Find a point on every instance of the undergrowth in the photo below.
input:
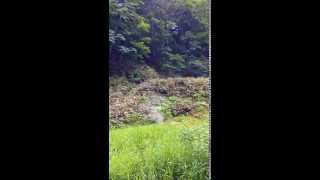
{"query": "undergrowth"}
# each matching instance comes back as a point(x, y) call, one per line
point(174, 150)
point(128, 102)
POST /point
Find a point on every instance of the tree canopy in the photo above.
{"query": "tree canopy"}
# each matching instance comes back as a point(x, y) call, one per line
point(170, 36)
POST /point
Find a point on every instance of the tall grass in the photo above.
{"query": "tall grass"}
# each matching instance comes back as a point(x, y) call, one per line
point(169, 151)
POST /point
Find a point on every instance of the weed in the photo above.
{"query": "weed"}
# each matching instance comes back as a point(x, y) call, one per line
point(159, 152)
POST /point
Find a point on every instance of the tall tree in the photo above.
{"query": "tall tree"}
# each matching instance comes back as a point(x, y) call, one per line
point(168, 35)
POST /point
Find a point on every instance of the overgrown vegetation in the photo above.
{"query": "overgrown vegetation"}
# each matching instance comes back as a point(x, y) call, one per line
point(180, 87)
point(182, 96)
point(158, 69)
point(175, 149)
point(168, 151)
point(174, 106)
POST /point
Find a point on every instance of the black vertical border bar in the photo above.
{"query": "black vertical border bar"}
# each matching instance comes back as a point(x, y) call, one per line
point(217, 93)
point(101, 69)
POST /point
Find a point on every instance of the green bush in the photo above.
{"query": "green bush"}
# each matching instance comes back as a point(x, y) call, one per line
point(166, 107)
point(175, 106)
point(142, 73)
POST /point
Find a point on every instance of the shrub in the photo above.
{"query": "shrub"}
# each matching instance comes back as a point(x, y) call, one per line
point(182, 107)
point(119, 84)
point(142, 73)
point(175, 106)
point(180, 87)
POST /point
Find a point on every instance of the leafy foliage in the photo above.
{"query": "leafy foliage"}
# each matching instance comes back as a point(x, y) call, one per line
point(170, 36)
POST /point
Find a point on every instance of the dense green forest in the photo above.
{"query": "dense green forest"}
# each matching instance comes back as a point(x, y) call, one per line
point(169, 36)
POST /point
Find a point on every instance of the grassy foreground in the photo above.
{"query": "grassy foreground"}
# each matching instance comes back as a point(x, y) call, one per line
point(175, 150)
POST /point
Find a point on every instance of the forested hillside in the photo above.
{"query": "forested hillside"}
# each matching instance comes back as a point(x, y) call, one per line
point(169, 36)
point(158, 89)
